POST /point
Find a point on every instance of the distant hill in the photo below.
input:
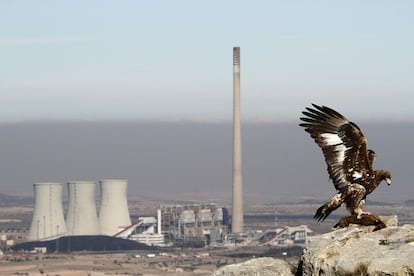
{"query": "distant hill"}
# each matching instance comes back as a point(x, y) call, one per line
point(9, 200)
point(409, 202)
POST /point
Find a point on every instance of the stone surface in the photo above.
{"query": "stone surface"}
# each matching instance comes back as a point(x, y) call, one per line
point(389, 251)
point(254, 267)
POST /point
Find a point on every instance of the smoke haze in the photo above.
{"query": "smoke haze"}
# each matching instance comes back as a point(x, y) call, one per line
point(191, 161)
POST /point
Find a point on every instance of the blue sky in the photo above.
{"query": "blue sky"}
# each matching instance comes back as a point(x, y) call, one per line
point(172, 60)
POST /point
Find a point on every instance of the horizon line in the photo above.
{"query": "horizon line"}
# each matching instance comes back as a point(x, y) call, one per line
point(201, 120)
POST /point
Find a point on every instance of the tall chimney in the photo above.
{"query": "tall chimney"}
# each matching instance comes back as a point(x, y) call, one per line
point(237, 216)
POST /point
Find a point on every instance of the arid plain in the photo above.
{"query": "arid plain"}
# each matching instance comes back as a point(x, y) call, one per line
point(15, 220)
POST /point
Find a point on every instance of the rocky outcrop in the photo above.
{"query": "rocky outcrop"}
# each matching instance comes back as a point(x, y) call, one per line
point(354, 250)
point(357, 250)
point(260, 266)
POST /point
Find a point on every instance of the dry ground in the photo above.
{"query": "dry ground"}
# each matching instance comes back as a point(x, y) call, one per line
point(102, 264)
point(184, 262)
point(261, 216)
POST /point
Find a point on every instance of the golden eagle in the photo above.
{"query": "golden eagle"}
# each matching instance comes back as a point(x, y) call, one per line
point(350, 163)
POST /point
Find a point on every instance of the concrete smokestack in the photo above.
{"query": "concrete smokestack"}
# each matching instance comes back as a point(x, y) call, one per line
point(237, 216)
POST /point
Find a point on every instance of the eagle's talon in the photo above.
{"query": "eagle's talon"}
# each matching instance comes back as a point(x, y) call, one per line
point(361, 213)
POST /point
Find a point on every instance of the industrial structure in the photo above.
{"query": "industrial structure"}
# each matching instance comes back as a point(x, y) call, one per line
point(177, 224)
point(200, 223)
point(237, 212)
point(190, 222)
point(113, 213)
point(149, 231)
point(81, 218)
point(285, 236)
point(48, 221)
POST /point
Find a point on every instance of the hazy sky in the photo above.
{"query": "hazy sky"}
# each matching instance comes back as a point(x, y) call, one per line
point(192, 161)
point(172, 60)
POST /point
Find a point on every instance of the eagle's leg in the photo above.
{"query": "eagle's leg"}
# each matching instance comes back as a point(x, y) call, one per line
point(360, 206)
point(354, 199)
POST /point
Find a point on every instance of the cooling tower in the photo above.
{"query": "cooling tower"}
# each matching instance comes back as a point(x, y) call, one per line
point(113, 214)
point(81, 218)
point(48, 221)
point(237, 217)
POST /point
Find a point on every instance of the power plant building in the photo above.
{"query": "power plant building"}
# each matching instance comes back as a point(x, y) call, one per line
point(82, 217)
point(48, 221)
point(113, 213)
point(191, 222)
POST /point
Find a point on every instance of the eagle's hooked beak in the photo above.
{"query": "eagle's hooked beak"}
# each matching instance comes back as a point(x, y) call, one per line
point(388, 180)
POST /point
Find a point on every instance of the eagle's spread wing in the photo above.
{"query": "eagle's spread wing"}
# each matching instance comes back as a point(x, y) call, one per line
point(342, 143)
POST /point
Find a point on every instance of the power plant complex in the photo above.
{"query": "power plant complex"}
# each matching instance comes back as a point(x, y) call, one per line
point(174, 224)
point(85, 224)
